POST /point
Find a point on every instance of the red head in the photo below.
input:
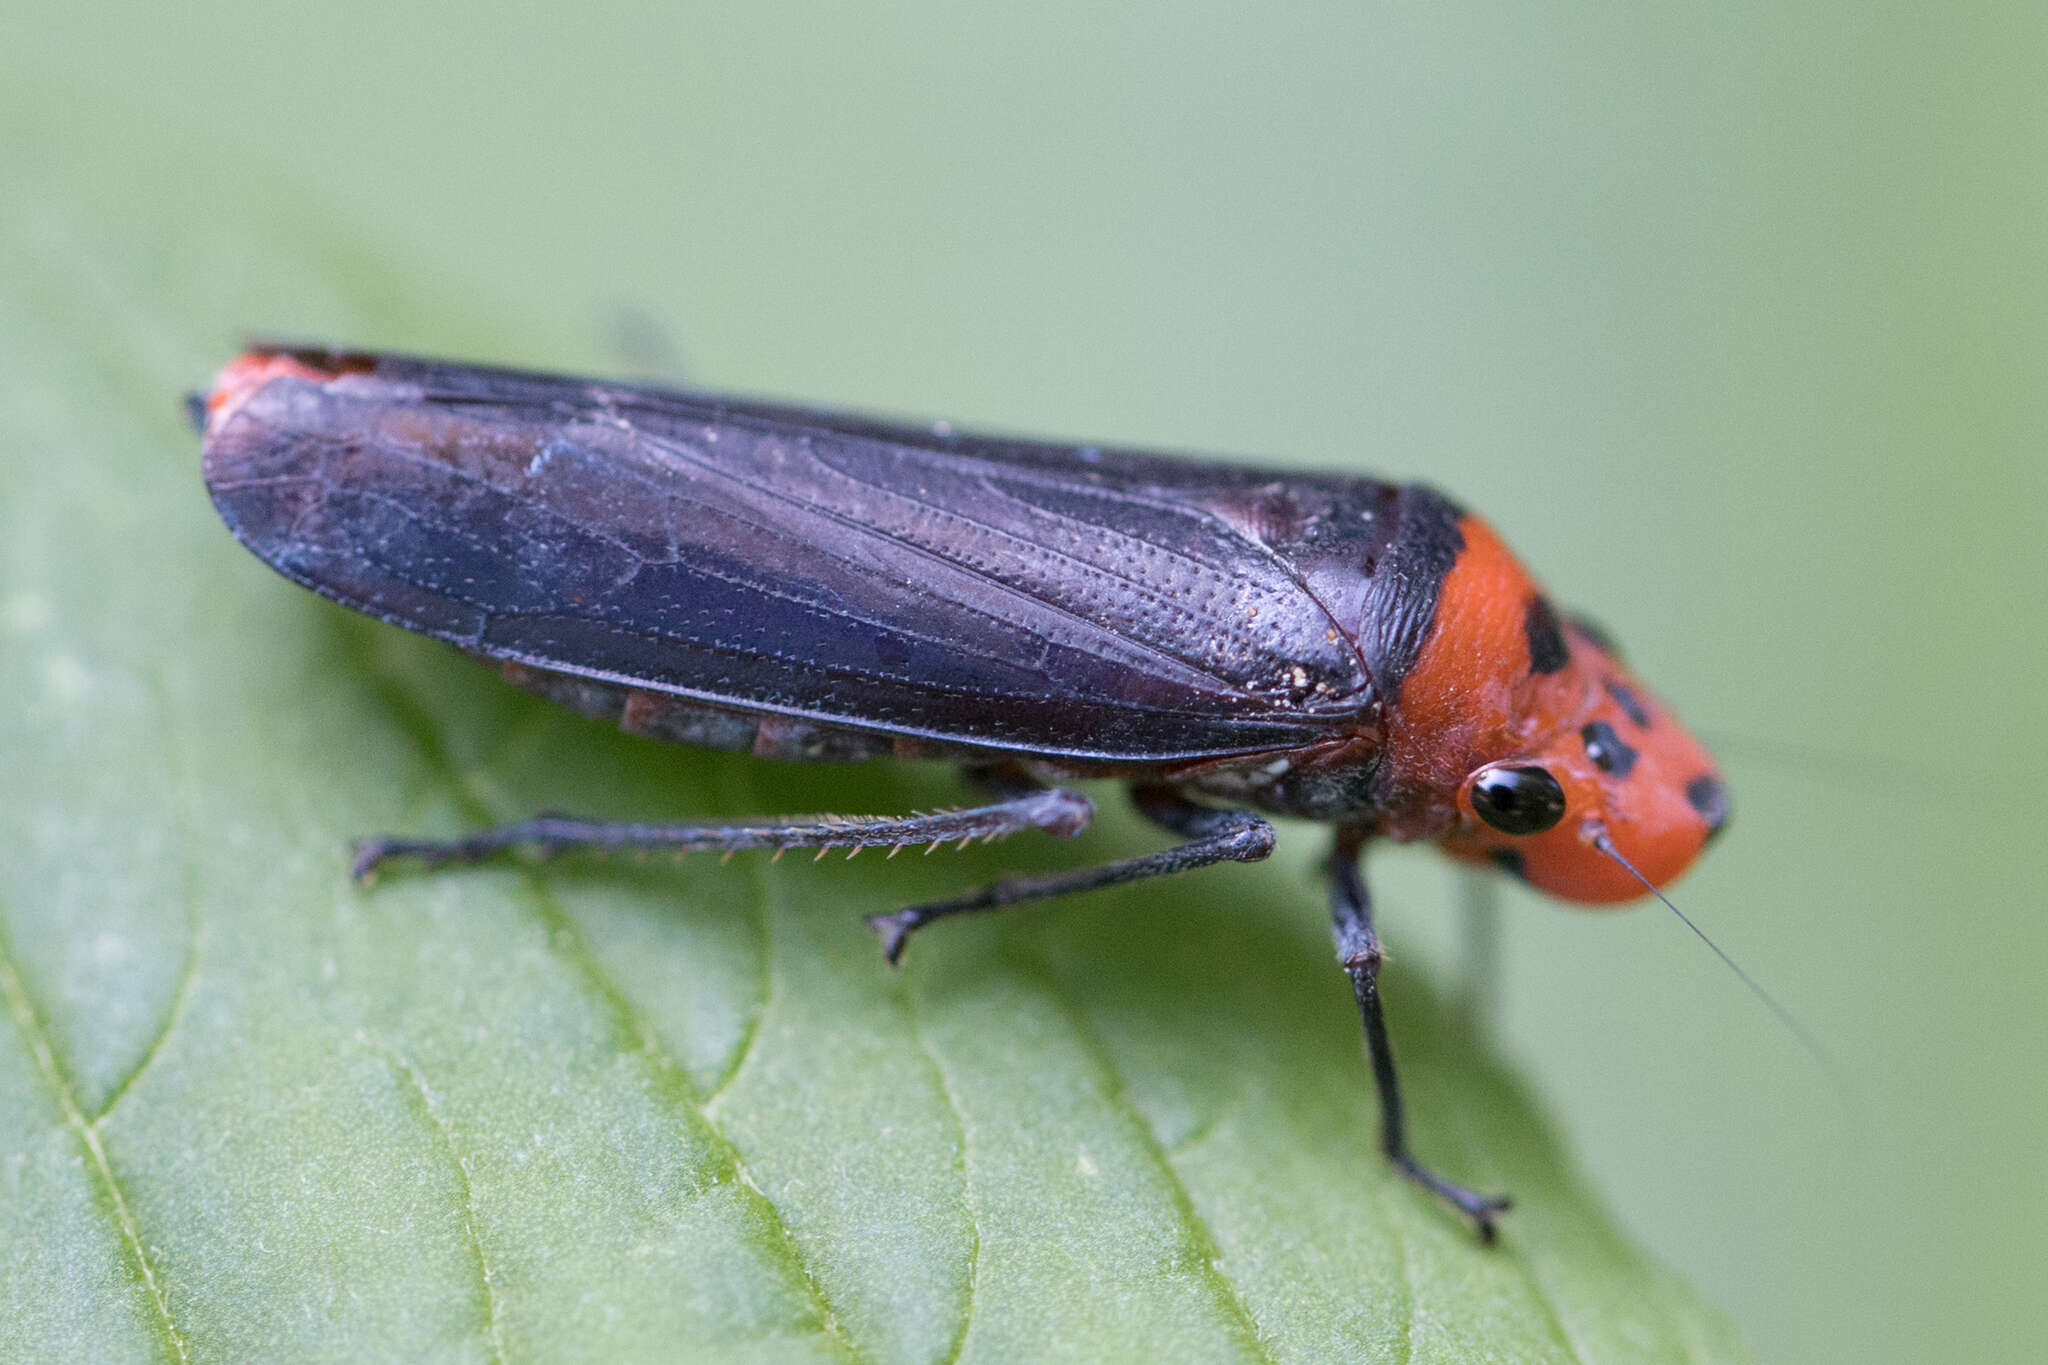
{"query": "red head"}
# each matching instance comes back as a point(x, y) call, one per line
point(1522, 740)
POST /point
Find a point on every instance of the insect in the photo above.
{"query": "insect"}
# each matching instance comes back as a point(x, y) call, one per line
point(1231, 642)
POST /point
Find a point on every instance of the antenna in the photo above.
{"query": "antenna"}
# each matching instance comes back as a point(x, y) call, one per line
point(1807, 1040)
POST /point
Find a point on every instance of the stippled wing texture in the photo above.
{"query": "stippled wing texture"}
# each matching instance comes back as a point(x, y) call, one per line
point(1049, 599)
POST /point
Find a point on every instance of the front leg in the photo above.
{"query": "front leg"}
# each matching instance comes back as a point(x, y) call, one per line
point(1358, 948)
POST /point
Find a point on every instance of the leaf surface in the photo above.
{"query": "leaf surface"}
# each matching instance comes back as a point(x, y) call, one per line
point(605, 1111)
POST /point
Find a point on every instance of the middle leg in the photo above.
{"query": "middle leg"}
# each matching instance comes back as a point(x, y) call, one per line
point(1212, 836)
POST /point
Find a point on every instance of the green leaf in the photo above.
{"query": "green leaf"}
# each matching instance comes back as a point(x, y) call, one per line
point(609, 1111)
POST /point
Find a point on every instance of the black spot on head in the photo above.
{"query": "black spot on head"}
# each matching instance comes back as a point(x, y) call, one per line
point(1625, 697)
point(1510, 862)
point(1547, 650)
point(1609, 754)
point(1709, 796)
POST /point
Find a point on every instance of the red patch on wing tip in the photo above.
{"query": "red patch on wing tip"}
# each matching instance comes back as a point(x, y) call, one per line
point(251, 370)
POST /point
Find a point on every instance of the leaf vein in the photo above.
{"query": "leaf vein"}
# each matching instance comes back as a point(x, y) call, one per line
point(187, 973)
point(66, 1094)
point(568, 944)
point(1539, 1290)
point(1550, 1313)
point(424, 1099)
point(938, 1069)
point(1397, 1238)
point(1201, 1242)
point(188, 969)
point(764, 988)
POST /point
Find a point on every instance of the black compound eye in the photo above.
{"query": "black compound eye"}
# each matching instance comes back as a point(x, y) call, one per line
point(1518, 800)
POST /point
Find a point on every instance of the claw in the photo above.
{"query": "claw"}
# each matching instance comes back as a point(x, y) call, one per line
point(1482, 1209)
point(365, 857)
point(894, 931)
point(1482, 1216)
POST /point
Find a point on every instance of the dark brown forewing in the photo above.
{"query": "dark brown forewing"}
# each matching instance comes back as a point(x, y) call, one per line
point(1049, 599)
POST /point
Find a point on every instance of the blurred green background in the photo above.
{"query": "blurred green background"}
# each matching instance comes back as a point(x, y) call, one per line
point(1734, 319)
